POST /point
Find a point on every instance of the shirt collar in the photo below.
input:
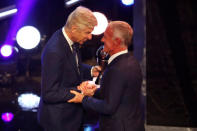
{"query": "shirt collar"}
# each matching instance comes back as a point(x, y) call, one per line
point(116, 55)
point(70, 42)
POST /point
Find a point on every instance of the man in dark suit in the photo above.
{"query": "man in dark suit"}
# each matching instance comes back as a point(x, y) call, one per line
point(118, 101)
point(62, 71)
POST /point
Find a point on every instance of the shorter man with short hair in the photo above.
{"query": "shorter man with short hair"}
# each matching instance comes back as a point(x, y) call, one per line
point(118, 101)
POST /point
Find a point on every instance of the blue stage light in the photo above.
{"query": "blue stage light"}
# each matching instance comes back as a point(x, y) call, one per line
point(128, 2)
point(88, 128)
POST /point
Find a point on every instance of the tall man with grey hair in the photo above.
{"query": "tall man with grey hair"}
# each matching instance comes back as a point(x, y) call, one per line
point(118, 100)
point(62, 71)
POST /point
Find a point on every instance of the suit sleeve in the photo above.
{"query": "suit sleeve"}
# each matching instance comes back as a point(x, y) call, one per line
point(52, 92)
point(86, 70)
point(97, 93)
point(113, 92)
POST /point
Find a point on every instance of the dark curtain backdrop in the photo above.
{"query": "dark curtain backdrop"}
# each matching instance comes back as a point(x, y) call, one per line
point(171, 62)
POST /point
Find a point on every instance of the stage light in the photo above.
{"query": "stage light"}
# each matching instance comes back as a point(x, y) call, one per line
point(6, 50)
point(102, 23)
point(28, 101)
point(8, 11)
point(7, 117)
point(69, 3)
point(128, 2)
point(28, 37)
point(88, 128)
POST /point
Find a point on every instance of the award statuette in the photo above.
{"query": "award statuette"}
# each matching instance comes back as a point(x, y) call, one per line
point(102, 59)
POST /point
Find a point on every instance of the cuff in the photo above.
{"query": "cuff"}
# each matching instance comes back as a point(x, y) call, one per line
point(92, 71)
point(84, 101)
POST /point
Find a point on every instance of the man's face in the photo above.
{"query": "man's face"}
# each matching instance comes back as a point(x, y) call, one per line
point(108, 41)
point(83, 35)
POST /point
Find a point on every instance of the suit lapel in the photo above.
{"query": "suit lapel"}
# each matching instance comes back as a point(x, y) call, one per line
point(107, 69)
point(70, 55)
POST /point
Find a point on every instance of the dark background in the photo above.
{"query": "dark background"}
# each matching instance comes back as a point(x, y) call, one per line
point(171, 62)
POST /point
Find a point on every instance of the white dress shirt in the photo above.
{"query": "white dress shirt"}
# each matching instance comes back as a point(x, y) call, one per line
point(116, 55)
point(70, 42)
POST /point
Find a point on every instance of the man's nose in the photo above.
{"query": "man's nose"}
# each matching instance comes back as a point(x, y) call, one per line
point(89, 36)
point(102, 40)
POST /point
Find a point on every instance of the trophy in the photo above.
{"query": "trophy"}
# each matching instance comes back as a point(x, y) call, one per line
point(102, 59)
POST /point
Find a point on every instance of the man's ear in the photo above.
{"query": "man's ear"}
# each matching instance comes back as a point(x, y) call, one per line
point(73, 29)
point(118, 41)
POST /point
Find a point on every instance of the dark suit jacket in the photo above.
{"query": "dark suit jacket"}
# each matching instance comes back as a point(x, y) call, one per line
point(59, 75)
point(119, 104)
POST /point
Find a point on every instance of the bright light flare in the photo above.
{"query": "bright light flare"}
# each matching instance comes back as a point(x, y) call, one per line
point(88, 128)
point(28, 101)
point(6, 50)
point(28, 37)
point(101, 23)
point(72, 2)
point(128, 2)
point(7, 13)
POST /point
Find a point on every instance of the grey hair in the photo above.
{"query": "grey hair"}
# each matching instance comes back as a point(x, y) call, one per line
point(123, 31)
point(81, 17)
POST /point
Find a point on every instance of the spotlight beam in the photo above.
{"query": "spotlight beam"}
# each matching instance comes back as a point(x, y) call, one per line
point(23, 9)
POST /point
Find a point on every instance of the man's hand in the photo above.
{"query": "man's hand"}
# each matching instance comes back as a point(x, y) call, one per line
point(77, 98)
point(96, 70)
point(87, 88)
point(82, 85)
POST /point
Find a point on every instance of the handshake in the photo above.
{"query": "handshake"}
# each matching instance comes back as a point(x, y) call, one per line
point(87, 88)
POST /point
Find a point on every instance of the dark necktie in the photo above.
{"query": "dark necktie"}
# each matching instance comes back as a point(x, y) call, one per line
point(75, 48)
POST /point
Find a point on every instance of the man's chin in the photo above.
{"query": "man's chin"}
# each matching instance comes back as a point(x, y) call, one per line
point(81, 42)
